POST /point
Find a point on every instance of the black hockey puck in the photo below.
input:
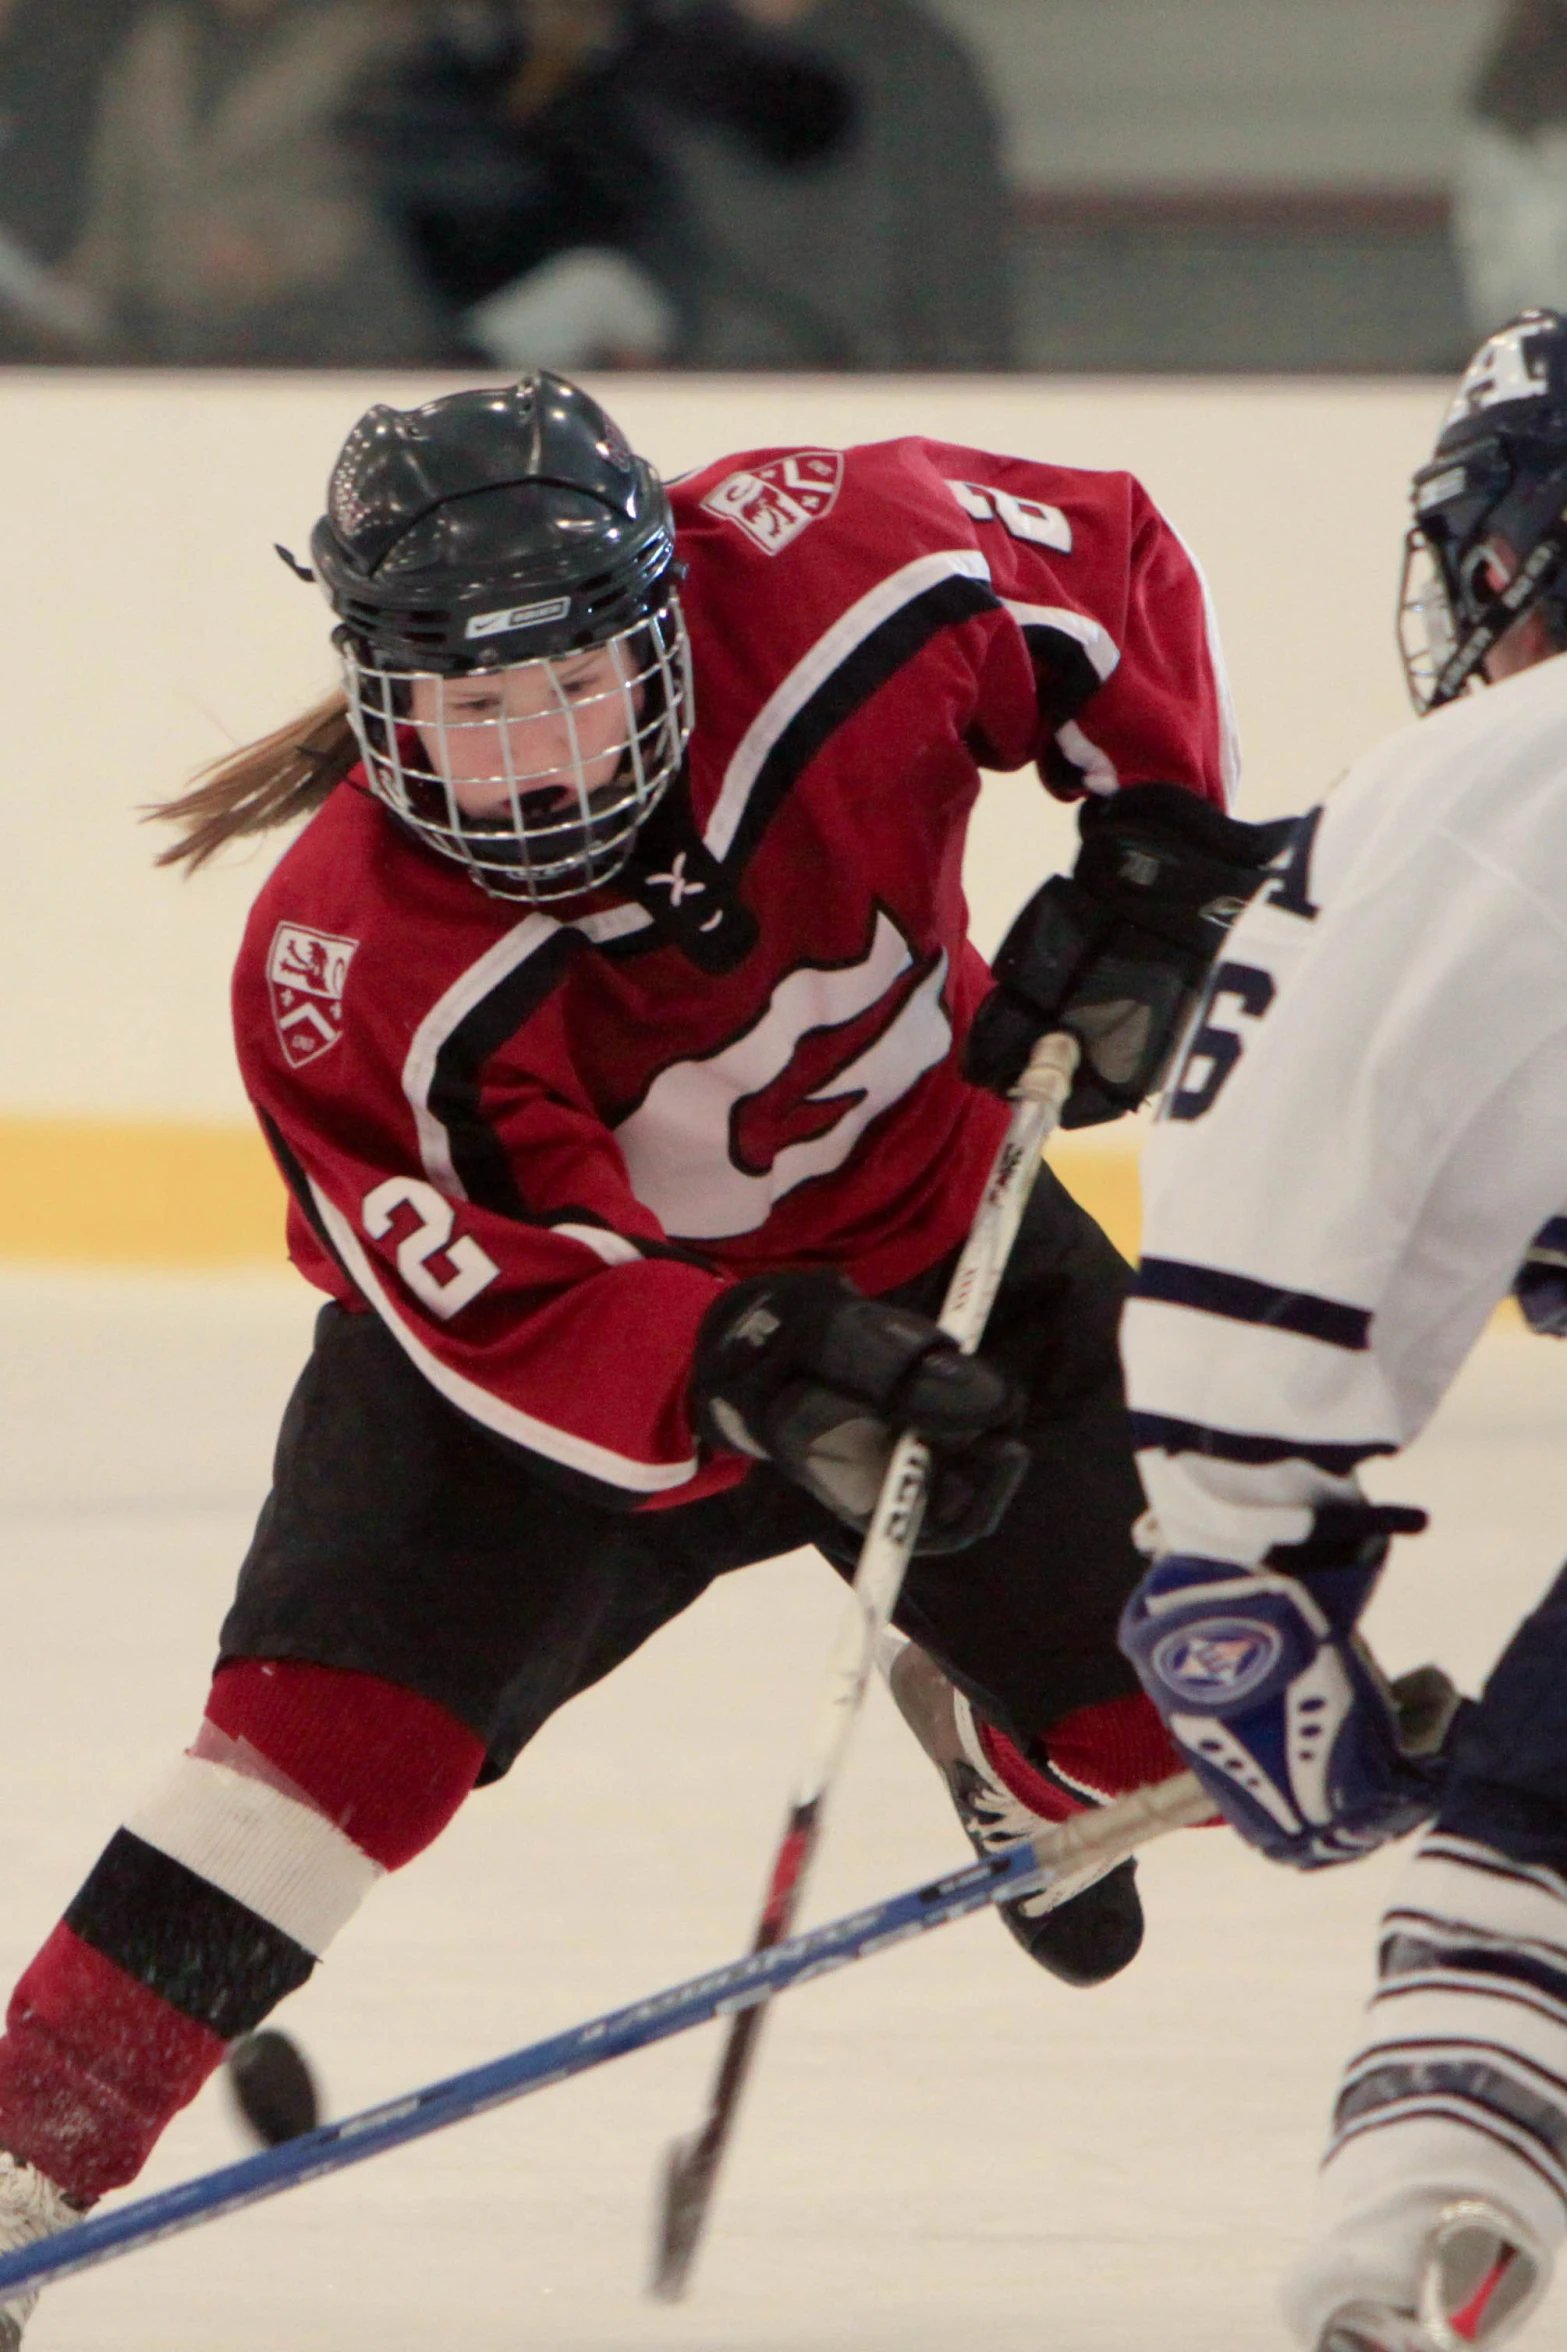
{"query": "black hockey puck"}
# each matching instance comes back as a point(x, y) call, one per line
point(273, 2087)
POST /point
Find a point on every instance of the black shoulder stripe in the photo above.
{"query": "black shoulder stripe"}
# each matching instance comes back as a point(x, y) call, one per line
point(299, 1186)
point(478, 1157)
point(1159, 1433)
point(862, 673)
point(1073, 677)
point(1241, 1300)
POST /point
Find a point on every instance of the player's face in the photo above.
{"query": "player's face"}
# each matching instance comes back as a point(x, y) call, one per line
point(544, 728)
point(1530, 640)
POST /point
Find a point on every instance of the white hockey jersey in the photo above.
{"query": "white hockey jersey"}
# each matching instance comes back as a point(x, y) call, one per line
point(1368, 1127)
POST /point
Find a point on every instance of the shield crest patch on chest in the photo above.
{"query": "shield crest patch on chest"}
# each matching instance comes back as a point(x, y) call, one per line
point(776, 502)
point(306, 971)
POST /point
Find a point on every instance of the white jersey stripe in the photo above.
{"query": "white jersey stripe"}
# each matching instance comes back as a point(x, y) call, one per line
point(1229, 733)
point(1099, 772)
point(281, 1859)
point(614, 1248)
point(1095, 640)
point(524, 1429)
point(812, 671)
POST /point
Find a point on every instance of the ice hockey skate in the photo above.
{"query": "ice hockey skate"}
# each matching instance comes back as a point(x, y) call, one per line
point(1481, 2282)
point(31, 2208)
point(1084, 1927)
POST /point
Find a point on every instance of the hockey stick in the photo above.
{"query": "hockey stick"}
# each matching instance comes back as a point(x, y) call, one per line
point(691, 2164)
point(1107, 1834)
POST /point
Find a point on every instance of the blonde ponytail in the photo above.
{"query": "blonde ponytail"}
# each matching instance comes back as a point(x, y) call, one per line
point(286, 775)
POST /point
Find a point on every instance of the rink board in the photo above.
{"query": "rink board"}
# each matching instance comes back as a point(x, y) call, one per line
point(150, 1193)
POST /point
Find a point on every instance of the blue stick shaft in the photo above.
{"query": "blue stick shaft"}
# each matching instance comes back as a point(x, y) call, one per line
point(104, 2237)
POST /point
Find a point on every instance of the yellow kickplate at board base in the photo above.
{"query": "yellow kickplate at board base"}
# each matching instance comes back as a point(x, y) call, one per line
point(1103, 1178)
point(112, 1192)
point(115, 1192)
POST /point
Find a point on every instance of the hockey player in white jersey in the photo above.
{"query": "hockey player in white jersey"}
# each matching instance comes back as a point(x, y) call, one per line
point(1365, 1143)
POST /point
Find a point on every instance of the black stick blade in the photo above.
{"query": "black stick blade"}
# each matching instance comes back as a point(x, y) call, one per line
point(684, 2187)
point(273, 2088)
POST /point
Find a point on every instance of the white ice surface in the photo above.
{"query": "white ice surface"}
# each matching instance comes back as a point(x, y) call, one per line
point(944, 2149)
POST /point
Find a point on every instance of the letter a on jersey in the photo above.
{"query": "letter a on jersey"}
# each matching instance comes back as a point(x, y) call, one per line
point(715, 1143)
point(306, 971)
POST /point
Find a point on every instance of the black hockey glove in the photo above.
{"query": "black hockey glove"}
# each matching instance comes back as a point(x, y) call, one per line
point(1116, 952)
point(802, 1371)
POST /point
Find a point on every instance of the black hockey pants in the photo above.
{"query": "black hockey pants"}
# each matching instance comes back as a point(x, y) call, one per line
point(1508, 1784)
point(401, 1540)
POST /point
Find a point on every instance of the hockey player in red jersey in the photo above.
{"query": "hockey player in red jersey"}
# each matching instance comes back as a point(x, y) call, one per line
point(607, 1023)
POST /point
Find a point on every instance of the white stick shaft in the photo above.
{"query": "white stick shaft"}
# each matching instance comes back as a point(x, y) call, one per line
point(692, 2166)
point(900, 1506)
point(1108, 1833)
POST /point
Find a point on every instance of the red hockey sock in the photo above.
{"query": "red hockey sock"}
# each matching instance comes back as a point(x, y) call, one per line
point(387, 1767)
point(304, 1785)
point(1102, 1751)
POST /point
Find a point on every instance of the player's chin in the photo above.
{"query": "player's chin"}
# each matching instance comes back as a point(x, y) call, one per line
point(555, 835)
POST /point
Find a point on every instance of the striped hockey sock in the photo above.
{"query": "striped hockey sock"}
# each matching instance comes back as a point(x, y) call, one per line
point(303, 1787)
point(1460, 2089)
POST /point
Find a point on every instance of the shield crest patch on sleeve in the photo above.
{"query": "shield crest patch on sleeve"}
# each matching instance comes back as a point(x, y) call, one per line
point(306, 971)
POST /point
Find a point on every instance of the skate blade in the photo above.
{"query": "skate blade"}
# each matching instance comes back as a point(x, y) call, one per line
point(1481, 2282)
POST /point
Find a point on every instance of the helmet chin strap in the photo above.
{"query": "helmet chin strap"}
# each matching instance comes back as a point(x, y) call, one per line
point(1523, 592)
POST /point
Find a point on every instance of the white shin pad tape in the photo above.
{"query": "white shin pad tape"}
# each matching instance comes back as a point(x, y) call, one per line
point(278, 1857)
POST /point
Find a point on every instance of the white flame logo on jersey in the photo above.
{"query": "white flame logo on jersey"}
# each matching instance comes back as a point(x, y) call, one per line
point(715, 1143)
point(776, 502)
point(306, 971)
point(1500, 371)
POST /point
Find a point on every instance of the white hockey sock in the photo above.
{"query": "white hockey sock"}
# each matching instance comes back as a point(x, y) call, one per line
point(1460, 2089)
point(242, 1830)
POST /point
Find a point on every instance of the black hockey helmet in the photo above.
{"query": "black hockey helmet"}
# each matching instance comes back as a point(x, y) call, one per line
point(509, 531)
point(1499, 470)
point(491, 527)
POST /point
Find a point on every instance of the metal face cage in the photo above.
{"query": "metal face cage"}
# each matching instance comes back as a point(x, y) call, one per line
point(1427, 631)
point(536, 776)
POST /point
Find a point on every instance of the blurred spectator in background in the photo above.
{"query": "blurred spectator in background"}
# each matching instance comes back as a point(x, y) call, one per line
point(522, 152)
point(52, 57)
point(224, 221)
point(1510, 204)
point(897, 254)
point(704, 183)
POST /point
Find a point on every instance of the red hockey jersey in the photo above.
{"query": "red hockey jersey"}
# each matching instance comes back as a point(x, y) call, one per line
point(538, 1145)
